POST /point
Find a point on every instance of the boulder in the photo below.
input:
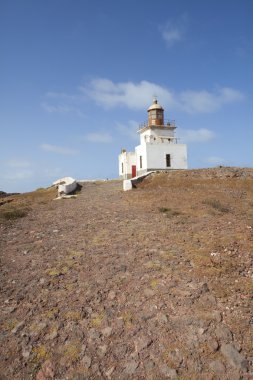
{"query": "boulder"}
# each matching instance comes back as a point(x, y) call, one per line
point(65, 185)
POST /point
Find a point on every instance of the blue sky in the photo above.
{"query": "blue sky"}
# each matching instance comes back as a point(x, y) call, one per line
point(76, 79)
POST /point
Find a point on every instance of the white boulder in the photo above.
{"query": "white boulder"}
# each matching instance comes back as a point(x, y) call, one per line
point(127, 184)
point(65, 185)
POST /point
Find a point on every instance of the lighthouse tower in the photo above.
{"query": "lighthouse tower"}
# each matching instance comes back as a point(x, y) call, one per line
point(155, 114)
point(159, 149)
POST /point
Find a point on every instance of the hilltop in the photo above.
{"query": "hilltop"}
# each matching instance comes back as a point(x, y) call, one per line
point(154, 283)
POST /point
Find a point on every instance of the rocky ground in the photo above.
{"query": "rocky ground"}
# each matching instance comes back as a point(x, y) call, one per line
point(154, 283)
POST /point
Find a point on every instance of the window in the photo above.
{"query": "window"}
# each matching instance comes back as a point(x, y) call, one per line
point(140, 162)
point(168, 160)
point(122, 168)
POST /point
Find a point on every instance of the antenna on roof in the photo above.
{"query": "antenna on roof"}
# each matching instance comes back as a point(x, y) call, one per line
point(154, 98)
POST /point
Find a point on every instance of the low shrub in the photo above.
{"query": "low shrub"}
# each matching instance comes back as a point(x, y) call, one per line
point(168, 211)
point(13, 214)
point(163, 209)
point(216, 204)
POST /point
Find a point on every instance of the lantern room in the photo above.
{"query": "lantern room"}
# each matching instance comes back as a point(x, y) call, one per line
point(155, 114)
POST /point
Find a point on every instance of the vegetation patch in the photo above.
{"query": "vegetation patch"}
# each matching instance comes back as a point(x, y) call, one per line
point(55, 272)
point(73, 315)
point(96, 321)
point(167, 255)
point(169, 212)
point(127, 318)
point(13, 214)
point(40, 354)
point(75, 254)
point(72, 351)
point(69, 286)
point(216, 204)
point(245, 286)
point(20, 205)
point(154, 283)
point(100, 238)
point(37, 327)
point(155, 265)
point(49, 314)
point(163, 209)
point(10, 324)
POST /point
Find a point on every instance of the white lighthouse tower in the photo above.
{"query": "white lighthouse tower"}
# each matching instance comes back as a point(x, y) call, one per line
point(158, 150)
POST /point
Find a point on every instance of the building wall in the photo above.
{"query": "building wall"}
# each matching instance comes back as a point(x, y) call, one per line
point(144, 137)
point(127, 159)
point(156, 156)
point(141, 150)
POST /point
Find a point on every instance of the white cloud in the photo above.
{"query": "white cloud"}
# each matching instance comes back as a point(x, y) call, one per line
point(53, 172)
point(205, 102)
point(195, 135)
point(56, 108)
point(60, 95)
point(214, 160)
point(61, 109)
point(58, 149)
point(129, 130)
point(171, 35)
point(174, 31)
point(99, 137)
point(16, 170)
point(132, 95)
point(138, 96)
point(19, 175)
point(16, 163)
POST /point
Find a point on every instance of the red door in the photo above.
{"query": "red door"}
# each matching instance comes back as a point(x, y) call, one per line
point(133, 171)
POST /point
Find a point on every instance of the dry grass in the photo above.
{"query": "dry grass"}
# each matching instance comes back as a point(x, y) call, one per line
point(97, 320)
point(18, 206)
point(71, 351)
point(13, 213)
point(40, 354)
point(39, 195)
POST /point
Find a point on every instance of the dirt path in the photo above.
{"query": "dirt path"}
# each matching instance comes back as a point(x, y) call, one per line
point(115, 285)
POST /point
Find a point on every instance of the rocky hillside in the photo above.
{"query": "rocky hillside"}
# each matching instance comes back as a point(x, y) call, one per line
point(154, 283)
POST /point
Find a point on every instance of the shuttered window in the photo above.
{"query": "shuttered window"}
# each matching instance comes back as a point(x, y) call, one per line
point(168, 160)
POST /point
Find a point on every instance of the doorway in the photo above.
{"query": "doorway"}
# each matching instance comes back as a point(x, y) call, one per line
point(133, 171)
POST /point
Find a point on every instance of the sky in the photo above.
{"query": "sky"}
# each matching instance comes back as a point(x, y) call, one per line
point(77, 77)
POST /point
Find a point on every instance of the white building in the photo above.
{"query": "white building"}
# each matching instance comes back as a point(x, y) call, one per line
point(158, 150)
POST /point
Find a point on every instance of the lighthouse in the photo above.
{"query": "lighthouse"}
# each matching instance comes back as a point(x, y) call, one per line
point(159, 148)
